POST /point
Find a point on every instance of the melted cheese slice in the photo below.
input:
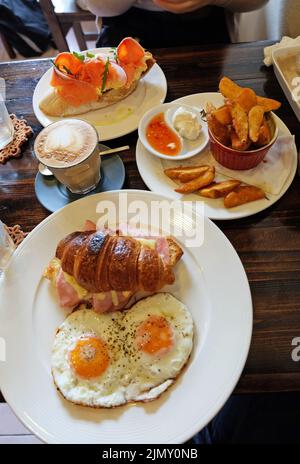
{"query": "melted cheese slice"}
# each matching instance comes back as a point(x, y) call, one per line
point(147, 242)
point(52, 270)
point(54, 267)
point(81, 292)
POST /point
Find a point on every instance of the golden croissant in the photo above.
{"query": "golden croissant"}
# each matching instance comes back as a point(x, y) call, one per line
point(101, 262)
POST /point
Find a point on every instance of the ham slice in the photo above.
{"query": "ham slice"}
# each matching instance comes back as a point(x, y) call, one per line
point(103, 302)
point(89, 225)
point(162, 247)
point(67, 295)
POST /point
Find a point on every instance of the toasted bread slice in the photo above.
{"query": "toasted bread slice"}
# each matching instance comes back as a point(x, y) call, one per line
point(54, 105)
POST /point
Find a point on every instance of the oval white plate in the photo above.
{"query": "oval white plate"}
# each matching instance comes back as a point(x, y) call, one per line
point(220, 304)
point(151, 169)
point(190, 148)
point(118, 119)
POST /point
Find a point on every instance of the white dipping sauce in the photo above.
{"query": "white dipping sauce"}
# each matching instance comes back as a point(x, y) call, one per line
point(186, 123)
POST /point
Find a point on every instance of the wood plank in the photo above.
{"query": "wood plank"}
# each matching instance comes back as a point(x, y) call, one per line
point(252, 383)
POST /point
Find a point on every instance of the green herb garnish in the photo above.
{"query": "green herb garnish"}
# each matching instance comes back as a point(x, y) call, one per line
point(79, 56)
point(203, 115)
point(90, 55)
point(105, 75)
point(53, 63)
point(115, 54)
point(68, 71)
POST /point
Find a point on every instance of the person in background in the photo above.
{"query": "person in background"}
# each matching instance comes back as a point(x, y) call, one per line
point(290, 18)
point(168, 23)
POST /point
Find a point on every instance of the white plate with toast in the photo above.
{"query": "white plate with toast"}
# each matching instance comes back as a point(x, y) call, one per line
point(120, 118)
point(219, 302)
point(151, 169)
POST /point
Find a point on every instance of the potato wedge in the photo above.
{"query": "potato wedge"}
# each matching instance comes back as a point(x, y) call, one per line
point(228, 88)
point(243, 194)
point(219, 189)
point(188, 175)
point(220, 131)
point(240, 122)
point(247, 99)
point(264, 136)
point(223, 115)
point(173, 173)
point(210, 108)
point(196, 184)
point(268, 103)
point(236, 144)
point(185, 173)
point(255, 119)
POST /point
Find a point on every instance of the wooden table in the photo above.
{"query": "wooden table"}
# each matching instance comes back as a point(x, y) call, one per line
point(267, 243)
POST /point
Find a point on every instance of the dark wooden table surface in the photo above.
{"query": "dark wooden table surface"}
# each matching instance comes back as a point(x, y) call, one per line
point(267, 243)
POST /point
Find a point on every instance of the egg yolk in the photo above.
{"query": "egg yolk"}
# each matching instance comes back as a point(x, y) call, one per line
point(89, 358)
point(154, 335)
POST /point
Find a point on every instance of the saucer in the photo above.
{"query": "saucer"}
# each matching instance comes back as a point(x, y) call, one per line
point(53, 195)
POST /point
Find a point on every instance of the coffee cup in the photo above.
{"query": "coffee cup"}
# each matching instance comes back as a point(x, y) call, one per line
point(69, 148)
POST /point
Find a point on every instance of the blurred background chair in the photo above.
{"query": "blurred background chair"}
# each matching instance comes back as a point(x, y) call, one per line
point(61, 15)
point(7, 46)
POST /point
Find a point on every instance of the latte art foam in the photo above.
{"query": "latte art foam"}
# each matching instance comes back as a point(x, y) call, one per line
point(65, 142)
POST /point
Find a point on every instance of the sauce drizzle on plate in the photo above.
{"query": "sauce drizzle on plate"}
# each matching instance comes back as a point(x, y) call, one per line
point(161, 137)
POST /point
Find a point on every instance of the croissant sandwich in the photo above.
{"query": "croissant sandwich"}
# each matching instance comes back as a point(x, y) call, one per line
point(86, 82)
point(106, 269)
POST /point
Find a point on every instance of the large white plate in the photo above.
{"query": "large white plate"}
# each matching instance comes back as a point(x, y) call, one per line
point(118, 119)
point(210, 280)
point(151, 169)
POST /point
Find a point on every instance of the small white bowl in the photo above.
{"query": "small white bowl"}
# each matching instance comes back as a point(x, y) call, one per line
point(189, 147)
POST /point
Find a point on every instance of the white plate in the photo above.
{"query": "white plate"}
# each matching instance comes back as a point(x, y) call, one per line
point(118, 119)
point(189, 147)
point(220, 303)
point(151, 169)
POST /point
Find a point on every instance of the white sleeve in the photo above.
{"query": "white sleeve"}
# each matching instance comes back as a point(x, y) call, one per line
point(105, 8)
point(241, 6)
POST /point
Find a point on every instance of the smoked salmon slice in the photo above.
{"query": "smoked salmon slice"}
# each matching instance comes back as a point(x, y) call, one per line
point(130, 55)
point(81, 81)
point(84, 82)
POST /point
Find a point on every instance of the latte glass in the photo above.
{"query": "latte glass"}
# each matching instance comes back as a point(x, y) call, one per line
point(6, 126)
point(69, 148)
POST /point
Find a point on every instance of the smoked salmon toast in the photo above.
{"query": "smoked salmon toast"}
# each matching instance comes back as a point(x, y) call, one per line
point(86, 82)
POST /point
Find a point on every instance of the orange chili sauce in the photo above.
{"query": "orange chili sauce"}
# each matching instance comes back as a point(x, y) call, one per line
point(159, 136)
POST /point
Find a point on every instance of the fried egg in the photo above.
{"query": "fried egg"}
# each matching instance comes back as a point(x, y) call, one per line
point(88, 363)
point(110, 359)
point(158, 340)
